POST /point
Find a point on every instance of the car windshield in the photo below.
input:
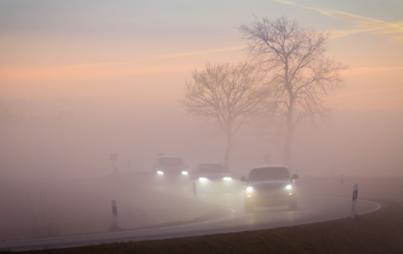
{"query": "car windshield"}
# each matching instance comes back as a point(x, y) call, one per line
point(170, 162)
point(212, 168)
point(263, 174)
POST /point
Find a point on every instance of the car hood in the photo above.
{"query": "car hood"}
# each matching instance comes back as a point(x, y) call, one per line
point(213, 175)
point(275, 184)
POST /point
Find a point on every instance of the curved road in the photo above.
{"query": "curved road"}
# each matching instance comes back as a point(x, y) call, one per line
point(311, 209)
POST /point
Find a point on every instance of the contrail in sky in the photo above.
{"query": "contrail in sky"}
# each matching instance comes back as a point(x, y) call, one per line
point(366, 24)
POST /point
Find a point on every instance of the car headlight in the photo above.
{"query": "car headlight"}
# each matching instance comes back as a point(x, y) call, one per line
point(203, 179)
point(160, 172)
point(249, 189)
point(227, 178)
point(185, 173)
point(288, 187)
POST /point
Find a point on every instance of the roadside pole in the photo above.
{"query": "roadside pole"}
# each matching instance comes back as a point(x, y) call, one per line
point(355, 195)
point(194, 190)
point(115, 214)
point(113, 157)
point(342, 184)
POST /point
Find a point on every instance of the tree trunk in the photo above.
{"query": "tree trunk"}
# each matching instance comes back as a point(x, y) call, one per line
point(288, 145)
point(228, 149)
point(289, 136)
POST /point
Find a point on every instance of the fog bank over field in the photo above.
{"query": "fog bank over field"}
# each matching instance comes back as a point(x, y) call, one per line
point(74, 139)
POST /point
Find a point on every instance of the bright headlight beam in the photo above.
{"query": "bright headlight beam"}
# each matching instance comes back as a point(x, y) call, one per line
point(249, 189)
point(288, 187)
point(203, 179)
point(227, 178)
point(160, 172)
point(185, 173)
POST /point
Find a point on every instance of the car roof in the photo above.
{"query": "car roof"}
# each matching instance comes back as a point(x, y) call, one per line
point(211, 163)
point(270, 166)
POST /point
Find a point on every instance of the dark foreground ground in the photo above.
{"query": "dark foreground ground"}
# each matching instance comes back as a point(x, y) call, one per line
point(378, 232)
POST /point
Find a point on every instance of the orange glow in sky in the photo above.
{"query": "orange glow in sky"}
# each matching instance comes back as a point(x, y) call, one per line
point(105, 52)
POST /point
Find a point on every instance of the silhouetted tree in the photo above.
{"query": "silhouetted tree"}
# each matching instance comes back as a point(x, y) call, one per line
point(227, 94)
point(297, 72)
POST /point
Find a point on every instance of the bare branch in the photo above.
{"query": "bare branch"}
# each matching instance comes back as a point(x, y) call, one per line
point(227, 94)
point(297, 73)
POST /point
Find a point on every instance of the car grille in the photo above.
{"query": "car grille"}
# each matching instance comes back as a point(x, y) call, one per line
point(172, 170)
point(268, 188)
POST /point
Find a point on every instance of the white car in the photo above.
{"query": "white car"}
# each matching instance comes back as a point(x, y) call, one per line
point(270, 185)
point(170, 166)
point(216, 172)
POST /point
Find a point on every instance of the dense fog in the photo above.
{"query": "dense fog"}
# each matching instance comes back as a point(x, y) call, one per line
point(257, 84)
point(75, 139)
point(57, 178)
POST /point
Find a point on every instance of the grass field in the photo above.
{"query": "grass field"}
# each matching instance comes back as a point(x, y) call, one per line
point(52, 208)
point(378, 232)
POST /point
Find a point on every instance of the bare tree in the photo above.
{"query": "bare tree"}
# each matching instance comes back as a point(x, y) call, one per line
point(298, 74)
point(227, 94)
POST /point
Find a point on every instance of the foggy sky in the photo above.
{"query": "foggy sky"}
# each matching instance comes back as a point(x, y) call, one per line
point(81, 79)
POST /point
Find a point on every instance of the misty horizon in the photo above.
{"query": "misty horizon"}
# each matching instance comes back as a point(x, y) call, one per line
point(138, 134)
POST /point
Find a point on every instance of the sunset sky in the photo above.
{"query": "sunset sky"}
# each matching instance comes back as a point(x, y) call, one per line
point(143, 52)
point(80, 79)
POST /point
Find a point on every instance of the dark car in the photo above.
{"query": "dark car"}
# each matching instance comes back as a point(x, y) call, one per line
point(270, 185)
point(212, 172)
point(171, 166)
